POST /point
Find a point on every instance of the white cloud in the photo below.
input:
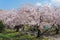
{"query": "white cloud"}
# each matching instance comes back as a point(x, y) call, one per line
point(38, 4)
point(48, 4)
point(56, 0)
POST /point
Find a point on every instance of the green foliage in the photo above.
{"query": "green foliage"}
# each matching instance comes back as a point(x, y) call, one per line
point(26, 28)
point(1, 26)
point(51, 31)
point(9, 31)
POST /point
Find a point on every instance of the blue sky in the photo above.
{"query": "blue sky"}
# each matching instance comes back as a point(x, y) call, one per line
point(10, 4)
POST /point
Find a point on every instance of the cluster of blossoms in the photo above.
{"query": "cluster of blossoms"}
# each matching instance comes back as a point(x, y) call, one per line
point(32, 15)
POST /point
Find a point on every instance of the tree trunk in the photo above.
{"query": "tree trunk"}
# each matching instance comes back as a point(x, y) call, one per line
point(17, 29)
point(57, 31)
point(38, 35)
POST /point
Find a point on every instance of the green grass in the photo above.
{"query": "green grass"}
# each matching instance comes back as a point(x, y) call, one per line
point(12, 35)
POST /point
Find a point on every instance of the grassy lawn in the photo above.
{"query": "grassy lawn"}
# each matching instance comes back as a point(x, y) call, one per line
point(12, 35)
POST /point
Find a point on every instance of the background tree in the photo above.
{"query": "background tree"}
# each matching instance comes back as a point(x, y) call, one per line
point(2, 27)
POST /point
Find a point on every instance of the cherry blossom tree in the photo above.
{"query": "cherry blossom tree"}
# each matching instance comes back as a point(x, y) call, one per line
point(32, 15)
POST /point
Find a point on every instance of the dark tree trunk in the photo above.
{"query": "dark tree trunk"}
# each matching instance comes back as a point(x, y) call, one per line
point(57, 31)
point(38, 35)
point(17, 29)
point(39, 32)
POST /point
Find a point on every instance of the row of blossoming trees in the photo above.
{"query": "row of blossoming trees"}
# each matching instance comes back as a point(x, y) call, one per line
point(33, 16)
